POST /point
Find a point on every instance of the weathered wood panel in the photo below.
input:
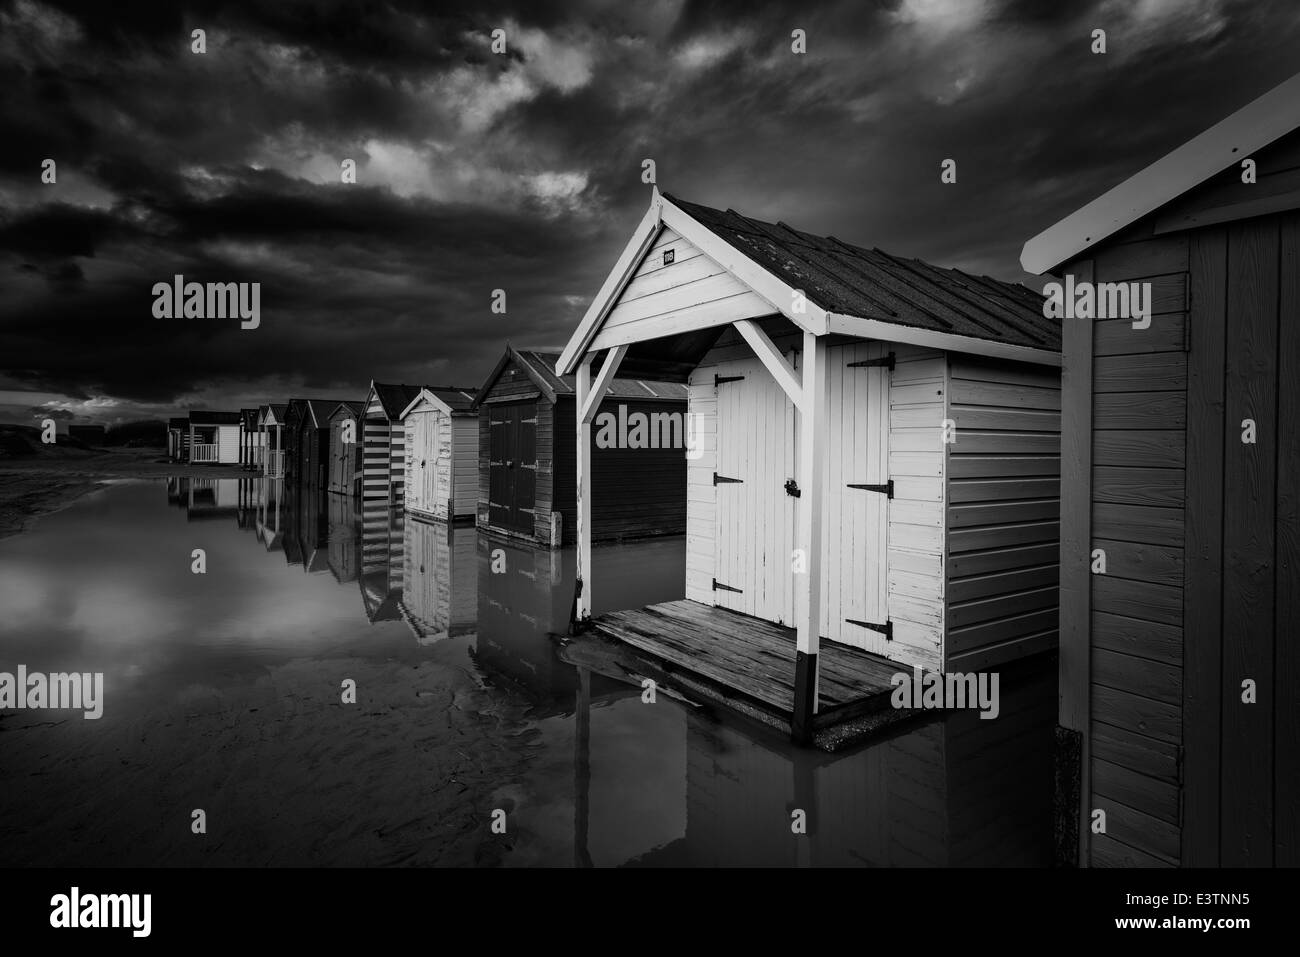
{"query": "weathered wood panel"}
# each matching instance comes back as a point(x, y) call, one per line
point(1202, 598)
point(1250, 491)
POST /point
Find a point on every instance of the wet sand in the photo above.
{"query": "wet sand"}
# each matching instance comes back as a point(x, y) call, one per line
point(37, 485)
point(286, 773)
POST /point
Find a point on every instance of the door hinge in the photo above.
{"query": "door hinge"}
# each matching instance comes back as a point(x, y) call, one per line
point(886, 361)
point(886, 628)
point(719, 479)
point(887, 488)
point(792, 487)
point(718, 586)
point(719, 379)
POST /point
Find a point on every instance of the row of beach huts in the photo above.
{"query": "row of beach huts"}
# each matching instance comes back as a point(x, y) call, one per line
point(500, 455)
point(894, 464)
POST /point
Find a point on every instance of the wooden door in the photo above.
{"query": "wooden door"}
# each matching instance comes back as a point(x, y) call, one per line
point(754, 536)
point(512, 465)
point(855, 504)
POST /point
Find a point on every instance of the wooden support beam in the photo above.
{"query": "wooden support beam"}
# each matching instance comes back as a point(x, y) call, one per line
point(1074, 667)
point(587, 411)
point(771, 357)
point(582, 610)
point(813, 418)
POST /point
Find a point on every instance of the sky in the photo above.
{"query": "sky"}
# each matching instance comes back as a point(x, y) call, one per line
point(478, 170)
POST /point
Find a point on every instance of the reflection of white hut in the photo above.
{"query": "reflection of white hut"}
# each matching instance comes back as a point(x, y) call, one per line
point(439, 579)
point(441, 430)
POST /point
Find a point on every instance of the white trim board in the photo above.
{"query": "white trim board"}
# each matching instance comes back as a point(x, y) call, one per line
point(1229, 141)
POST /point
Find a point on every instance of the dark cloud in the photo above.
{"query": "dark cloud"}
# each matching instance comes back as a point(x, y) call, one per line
point(479, 172)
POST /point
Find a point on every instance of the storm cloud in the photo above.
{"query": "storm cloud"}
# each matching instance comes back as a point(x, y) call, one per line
point(522, 171)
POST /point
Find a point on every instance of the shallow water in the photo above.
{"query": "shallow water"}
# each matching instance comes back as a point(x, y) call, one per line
point(223, 693)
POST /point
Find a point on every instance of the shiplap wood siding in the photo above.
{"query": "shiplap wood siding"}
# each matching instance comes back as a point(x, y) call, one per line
point(228, 444)
point(691, 292)
point(441, 462)
point(1199, 530)
point(384, 454)
point(1003, 511)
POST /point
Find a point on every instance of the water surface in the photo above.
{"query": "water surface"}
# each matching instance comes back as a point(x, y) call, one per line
point(223, 693)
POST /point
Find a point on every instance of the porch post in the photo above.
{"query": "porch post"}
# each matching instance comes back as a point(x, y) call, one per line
point(812, 449)
point(583, 389)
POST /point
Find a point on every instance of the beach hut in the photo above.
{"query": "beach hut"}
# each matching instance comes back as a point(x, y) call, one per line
point(345, 448)
point(527, 470)
point(440, 428)
point(875, 459)
point(273, 418)
point(249, 438)
point(213, 438)
point(307, 451)
point(384, 453)
point(1180, 495)
point(294, 411)
point(178, 438)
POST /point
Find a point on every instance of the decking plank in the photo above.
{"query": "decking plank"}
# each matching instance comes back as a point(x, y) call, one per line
point(747, 655)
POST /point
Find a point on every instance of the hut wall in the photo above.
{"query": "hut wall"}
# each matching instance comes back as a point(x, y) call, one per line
point(1002, 511)
point(1196, 525)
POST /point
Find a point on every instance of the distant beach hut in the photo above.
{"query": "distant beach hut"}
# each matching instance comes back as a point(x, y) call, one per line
point(440, 427)
point(527, 469)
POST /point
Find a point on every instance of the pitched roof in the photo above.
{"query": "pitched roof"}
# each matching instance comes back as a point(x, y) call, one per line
point(393, 398)
point(317, 410)
point(872, 284)
point(454, 399)
point(1254, 126)
point(540, 366)
point(354, 408)
point(214, 418)
point(278, 410)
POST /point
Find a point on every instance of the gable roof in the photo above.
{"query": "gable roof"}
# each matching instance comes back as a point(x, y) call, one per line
point(353, 408)
point(393, 398)
point(450, 398)
point(317, 411)
point(1231, 140)
point(541, 366)
point(843, 285)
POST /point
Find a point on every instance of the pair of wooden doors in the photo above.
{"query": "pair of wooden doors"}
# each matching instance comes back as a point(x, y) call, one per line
point(757, 495)
point(512, 465)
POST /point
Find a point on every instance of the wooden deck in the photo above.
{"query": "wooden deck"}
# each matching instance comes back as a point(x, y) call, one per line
point(751, 658)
